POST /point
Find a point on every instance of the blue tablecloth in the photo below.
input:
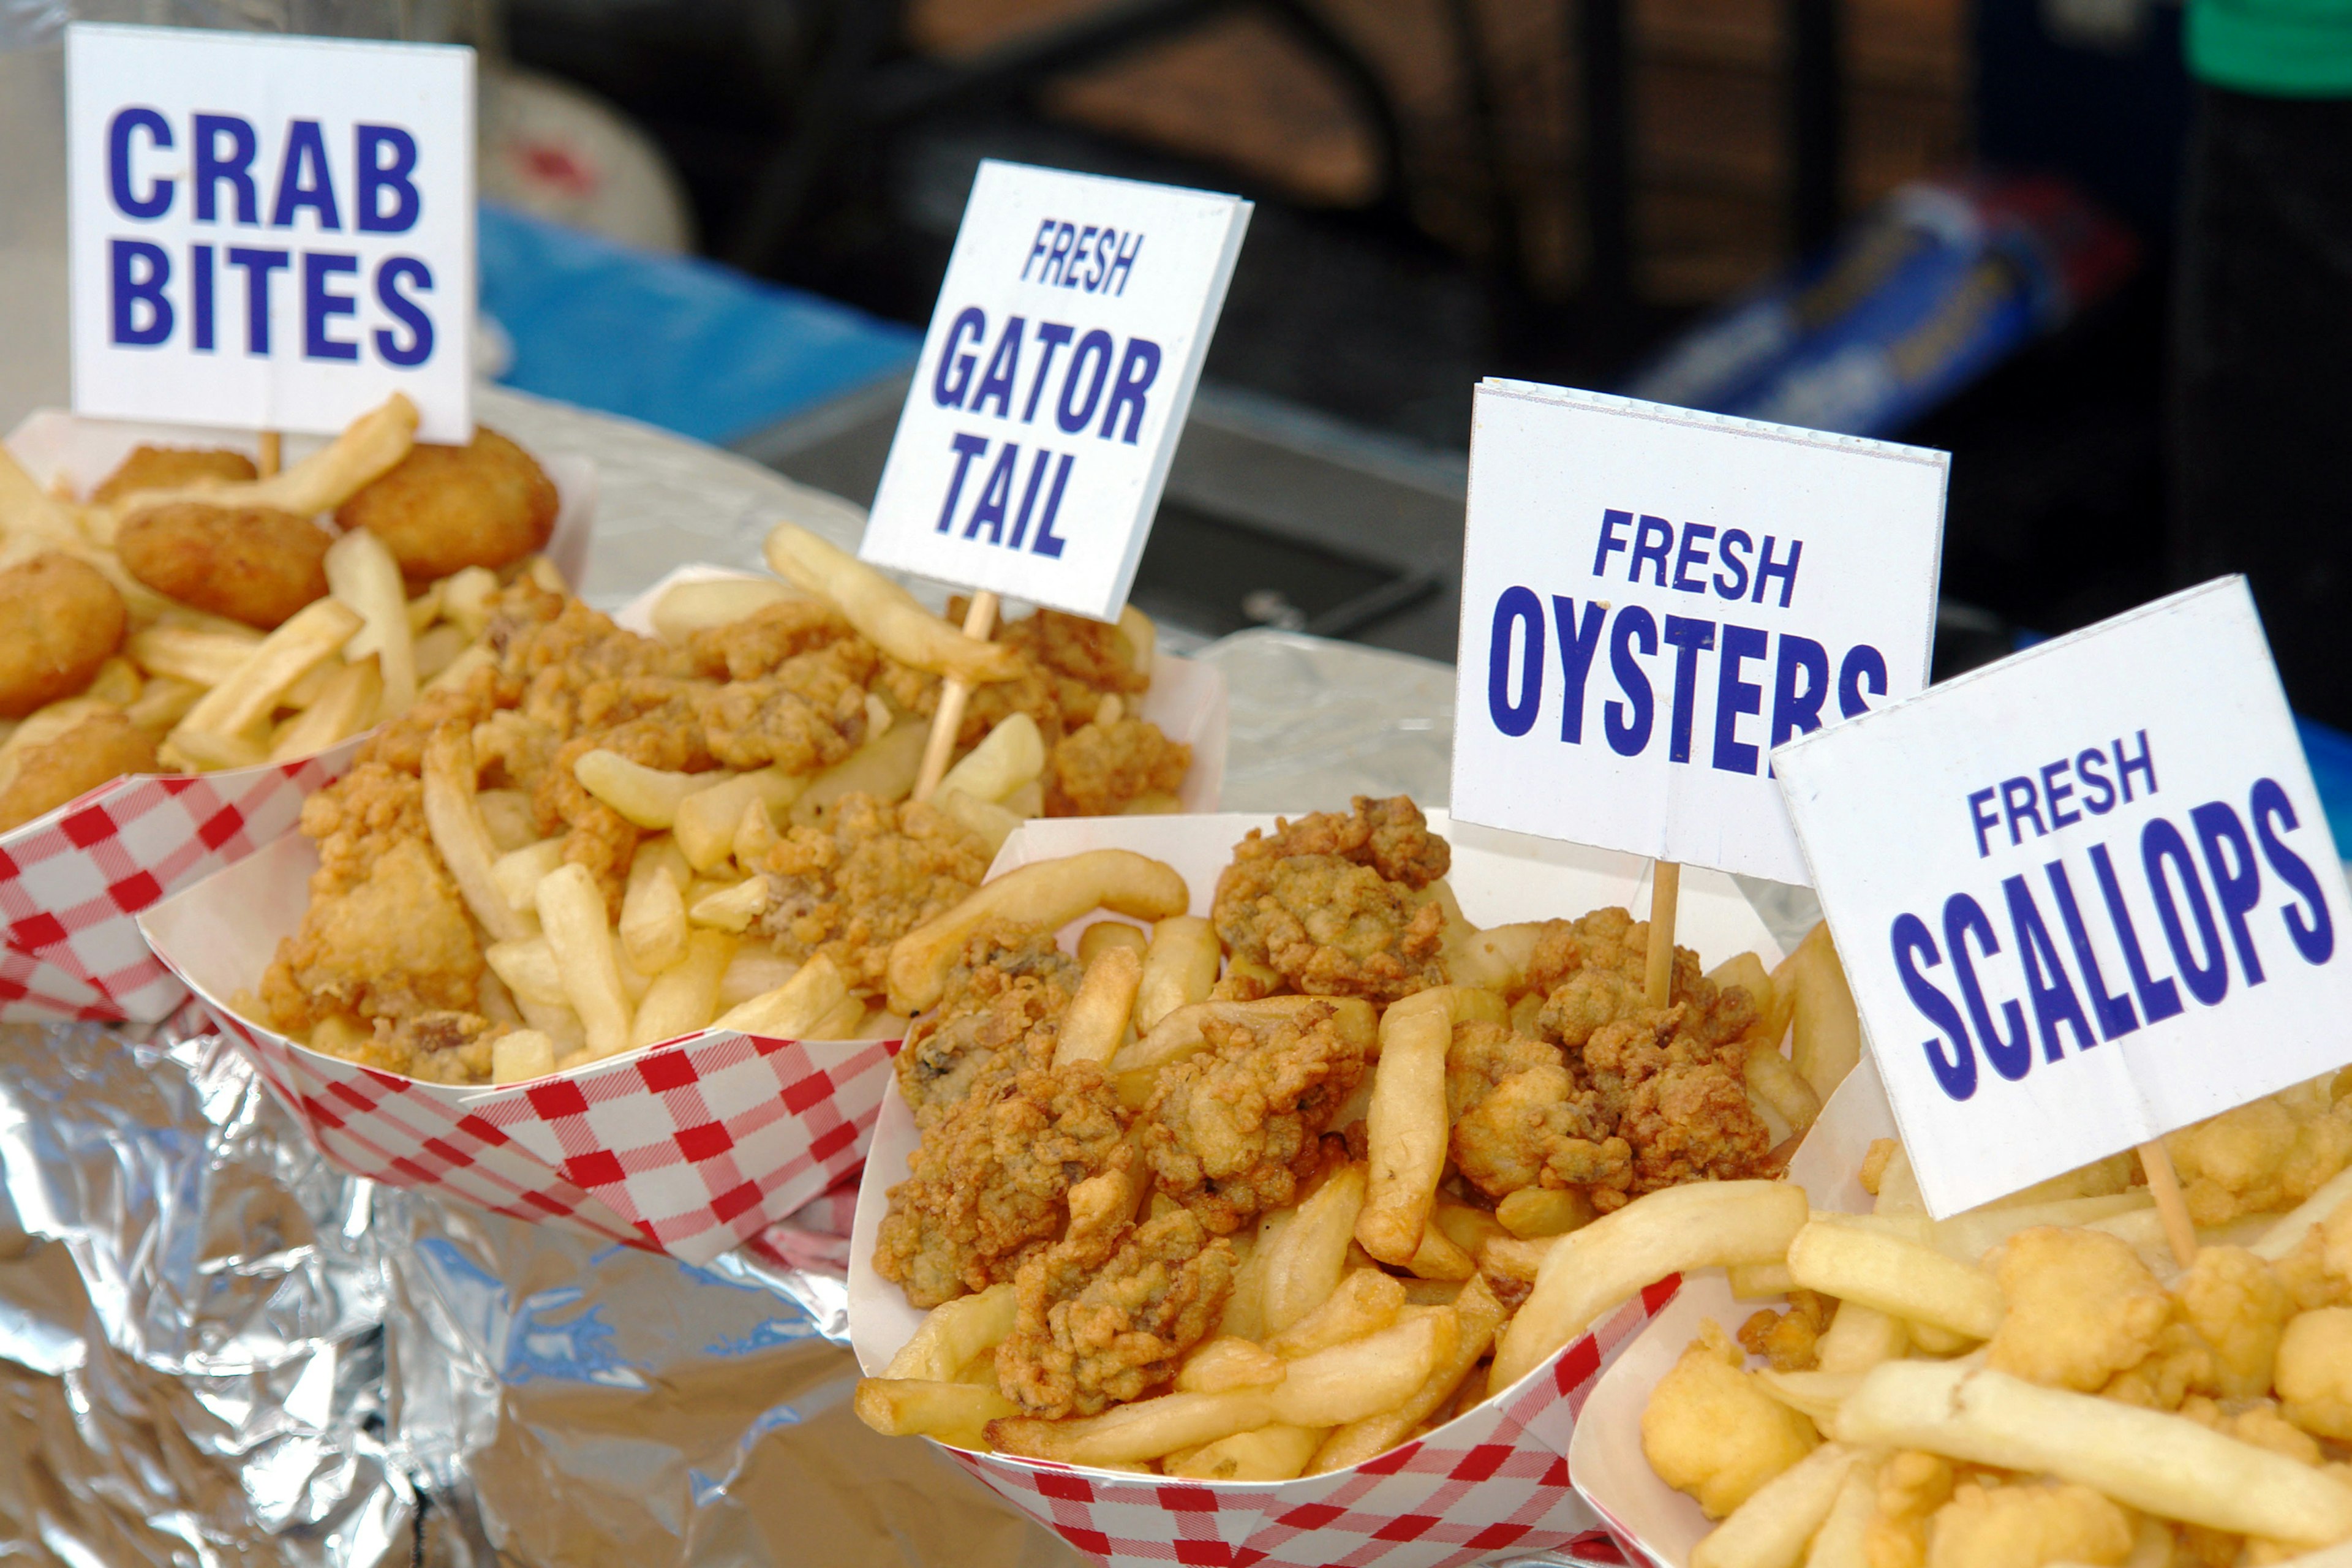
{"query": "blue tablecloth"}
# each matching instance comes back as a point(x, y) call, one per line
point(677, 341)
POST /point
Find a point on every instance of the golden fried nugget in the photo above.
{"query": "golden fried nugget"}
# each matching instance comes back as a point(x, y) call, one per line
point(253, 564)
point(443, 509)
point(171, 468)
point(42, 778)
point(64, 619)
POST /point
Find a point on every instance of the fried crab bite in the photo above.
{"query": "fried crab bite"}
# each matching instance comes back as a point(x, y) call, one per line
point(64, 620)
point(1329, 902)
point(39, 778)
point(252, 563)
point(443, 509)
point(172, 468)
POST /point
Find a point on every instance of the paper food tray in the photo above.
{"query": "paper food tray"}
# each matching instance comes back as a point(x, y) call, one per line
point(1495, 1480)
point(72, 881)
point(1653, 1522)
point(1187, 699)
point(693, 1146)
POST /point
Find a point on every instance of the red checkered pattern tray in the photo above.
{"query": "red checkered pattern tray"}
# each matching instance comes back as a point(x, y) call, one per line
point(1493, 1482)
point(703, 1143)
point(73, 883)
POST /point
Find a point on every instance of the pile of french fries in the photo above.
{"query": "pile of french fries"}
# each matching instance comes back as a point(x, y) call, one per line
point(1386, 1301)
point(222, 694)
point(1906, 1386)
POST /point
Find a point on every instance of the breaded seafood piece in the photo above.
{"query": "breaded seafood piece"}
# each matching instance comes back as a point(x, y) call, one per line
point(1328, 901)
point(64, 619)
point(443, 509)
point(1007, 982)
point(171, 468)
point(1711, 1430)
point(1099, 1326)
point(852, 887)
point(1097, 770)
point(250, 564)
point(41, 778)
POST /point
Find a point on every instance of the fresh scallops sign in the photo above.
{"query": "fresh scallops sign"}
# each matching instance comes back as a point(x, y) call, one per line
point(267, 232)
point(2084, 896)
point(1054, 384)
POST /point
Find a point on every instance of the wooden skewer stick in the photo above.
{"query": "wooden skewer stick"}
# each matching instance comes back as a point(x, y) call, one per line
point(2164, 1186)
point(978, 621)
point(1665, 893)
point(272, 457)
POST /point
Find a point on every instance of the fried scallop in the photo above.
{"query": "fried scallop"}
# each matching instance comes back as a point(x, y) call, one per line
point(64, 619)
point(171, 468)
point(443, 509)
point(39, 778)
point(253, 564)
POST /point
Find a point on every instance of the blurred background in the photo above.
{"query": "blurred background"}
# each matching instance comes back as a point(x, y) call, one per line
point(1947, 222)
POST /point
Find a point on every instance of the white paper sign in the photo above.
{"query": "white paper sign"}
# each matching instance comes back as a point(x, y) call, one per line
point(2085, 896)
point(1054, 384)
point(269, 233)
point(1652, 599)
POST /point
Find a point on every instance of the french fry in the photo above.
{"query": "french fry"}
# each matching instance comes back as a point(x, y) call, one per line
point(1467, 1228)
point(755, 972)
point(953, 1332)
point(1507, 1258)
point(559, 1022)
point(1774, 1079)
point(200, 750)
point(1755, 1281)
point(647, 796)
point(1587, 1273)
point(1179, 967)
point(957, 1413)
point(683, 997)
point(460, 669)
point(43, 725)
point(1103, 934)
point(840, 1022)
point(2285, 1234)
point(571, 912)
point(1244, 1316)
point(1363, 1377)
point(1275, 1453)
point(462, 838)
point(886, 613)
point(201, 658)
point(755, 835)
point(1407, 1125)
point(1049, 894)
point(686, 608)
point(517, 872)
point(117, 681)
point(1179, 1034)
point(2165, 1465)
point(1828, 1031)
point(465, 598)
point(528, 969)
point(1843, 1540)
point(1303, 1263)
point(1366, 1301)
point(1859, 1338)
point(1227, 1363)
point(522, 1053)
point(793, 1008)
point(1968, 1236)
point(1496, 958)
point(1009, 756)
point(1747, 971)
point(347, 705)
point(1814, 1395)
point(1439, 1256)
point(705, 820)
point(1098, 1014)
point(990, 822)
point(652, 912)
point(732, 909)
point(1142, 636)
point(251, 692)
point(1143, 1430)
point(1478, 1315)
point(1770, 1529)
point(1534, 1213)
point(368, 448)
point(1907, 1279)
point(424, 610)
point(362, 575)
point(884, 767)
